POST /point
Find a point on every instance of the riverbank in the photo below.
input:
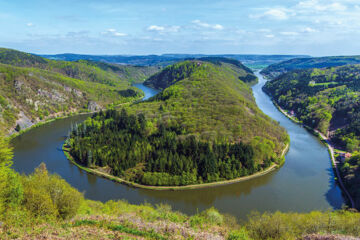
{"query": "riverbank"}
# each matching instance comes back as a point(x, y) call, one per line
point(52, 119)
point(328, 144)
point(173, 188)
point(44, 122)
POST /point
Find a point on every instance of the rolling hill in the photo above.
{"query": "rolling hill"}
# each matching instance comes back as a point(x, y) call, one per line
point(252, 60)
point(277, 69)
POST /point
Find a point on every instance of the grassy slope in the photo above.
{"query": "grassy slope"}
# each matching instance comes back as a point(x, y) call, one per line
point(120, 220)
point(276, 69)
point(210, 101)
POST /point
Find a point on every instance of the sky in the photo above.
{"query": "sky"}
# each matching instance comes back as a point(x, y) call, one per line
point(139, 27)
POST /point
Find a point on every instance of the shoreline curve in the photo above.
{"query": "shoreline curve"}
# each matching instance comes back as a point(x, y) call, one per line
point(173, 188)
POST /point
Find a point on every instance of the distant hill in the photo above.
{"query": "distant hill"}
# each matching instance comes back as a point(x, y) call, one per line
point(35, 88)
point(203, 127)
point(174, 73)
point(277, 69)
point(111, 74)
point(168, 59)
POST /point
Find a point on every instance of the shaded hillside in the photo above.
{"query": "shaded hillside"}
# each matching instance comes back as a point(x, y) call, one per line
point(203, 127)
point(28, 95)
point(134, 74)
point(277, 69)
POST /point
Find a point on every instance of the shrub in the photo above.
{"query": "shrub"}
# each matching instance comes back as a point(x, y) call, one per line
point(238, 235)
point(49, 195)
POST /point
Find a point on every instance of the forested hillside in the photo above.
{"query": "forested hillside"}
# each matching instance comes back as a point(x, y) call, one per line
point(204, 127)
point(328, 100)
point(325, 99)
point(177, 72)
point(277, 69)
point(35, 88)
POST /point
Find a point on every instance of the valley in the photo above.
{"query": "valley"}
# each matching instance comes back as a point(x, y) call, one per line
point(187, 89)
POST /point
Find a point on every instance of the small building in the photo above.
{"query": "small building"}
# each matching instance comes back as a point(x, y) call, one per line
point(344, 156)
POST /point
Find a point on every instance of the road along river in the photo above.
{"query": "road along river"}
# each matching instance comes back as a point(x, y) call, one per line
point(304, 183)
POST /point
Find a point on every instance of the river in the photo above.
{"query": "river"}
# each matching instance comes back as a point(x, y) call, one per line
point(304, 183)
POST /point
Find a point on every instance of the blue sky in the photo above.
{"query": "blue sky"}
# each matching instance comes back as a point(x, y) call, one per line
point(314, 27)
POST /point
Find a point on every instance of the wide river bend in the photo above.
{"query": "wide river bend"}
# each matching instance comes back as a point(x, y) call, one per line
point(304, 183)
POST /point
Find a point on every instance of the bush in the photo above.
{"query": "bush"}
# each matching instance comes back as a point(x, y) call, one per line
point(49, 195)
point(238, 235)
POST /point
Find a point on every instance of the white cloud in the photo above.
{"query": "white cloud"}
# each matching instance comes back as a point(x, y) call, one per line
point(278, 13)
point(309, 30)
point(316, 5)
point(114, 33)
point(270, 35)
point(30, 24)
point(163, 29)
point(289, 33)
point(264, 30)
point(201, 24)
point(156, 28)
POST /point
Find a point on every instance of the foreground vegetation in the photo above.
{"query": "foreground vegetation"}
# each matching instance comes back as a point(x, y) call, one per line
point(204, 127)
point(43, 206)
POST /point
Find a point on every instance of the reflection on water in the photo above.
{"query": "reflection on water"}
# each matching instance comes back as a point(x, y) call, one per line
point(304, 183)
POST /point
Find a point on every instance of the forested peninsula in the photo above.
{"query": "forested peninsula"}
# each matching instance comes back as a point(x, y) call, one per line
point(203, 127)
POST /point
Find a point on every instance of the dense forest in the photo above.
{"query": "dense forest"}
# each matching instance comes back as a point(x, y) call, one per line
point(350, 171)
point(276, 69)
point(325, 99)
point(203, 127)
point(134, 151)
point(174, 73)
point(35, 88)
